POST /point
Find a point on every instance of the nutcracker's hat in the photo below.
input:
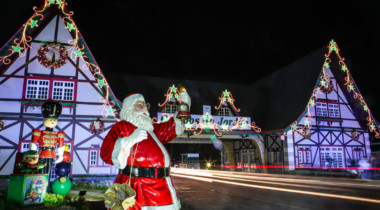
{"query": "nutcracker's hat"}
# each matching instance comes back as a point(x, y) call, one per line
point(51, 109)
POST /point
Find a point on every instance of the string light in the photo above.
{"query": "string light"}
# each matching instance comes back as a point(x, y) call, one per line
point(76, 50)
point(325, 80)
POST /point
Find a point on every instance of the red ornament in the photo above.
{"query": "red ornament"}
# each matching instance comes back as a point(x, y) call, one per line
point(66, 156)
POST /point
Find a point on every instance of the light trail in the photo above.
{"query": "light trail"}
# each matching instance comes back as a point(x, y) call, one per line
point(298, 167)
point(214, 178)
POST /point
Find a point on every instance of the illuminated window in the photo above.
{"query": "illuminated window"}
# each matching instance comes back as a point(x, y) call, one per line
point(332, 157)
point(304, 156)
point(37, 89)
point(170, 108)
point(357, 154)
point(322, 109)
point(93, 157)
point(63, 91)
point(334, 110)
point(224, 112)
point(325, 109)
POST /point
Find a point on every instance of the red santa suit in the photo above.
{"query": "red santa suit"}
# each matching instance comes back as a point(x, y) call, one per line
point(156, 191)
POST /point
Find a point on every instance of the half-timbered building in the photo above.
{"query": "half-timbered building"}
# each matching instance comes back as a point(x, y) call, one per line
point(48, 60)
point(335, 127)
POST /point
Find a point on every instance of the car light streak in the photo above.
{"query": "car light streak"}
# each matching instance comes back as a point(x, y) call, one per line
point(214, 178)
point(298, 167)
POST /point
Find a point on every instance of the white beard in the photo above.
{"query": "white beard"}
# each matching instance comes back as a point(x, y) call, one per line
point(138, 119)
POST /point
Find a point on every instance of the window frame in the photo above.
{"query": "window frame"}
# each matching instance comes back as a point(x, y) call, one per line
point(50, 90)
point(304, 152)
point(99, 161)
point(328, 109)
point(330, 152)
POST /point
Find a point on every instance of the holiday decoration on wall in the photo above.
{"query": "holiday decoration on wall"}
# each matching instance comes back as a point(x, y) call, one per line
point(227, 98)
point(97, 127)
point(325, 85)
point(172, 92)
point(77, 49)
point(47, 62)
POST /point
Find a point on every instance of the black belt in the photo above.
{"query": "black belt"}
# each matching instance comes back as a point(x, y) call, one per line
point(47, 148)
point(146, 172)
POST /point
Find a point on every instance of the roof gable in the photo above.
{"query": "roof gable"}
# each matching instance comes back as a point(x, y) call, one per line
point(53, 23)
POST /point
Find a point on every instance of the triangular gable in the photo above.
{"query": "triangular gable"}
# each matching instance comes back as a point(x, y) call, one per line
point(55, 12)
point(335, 63)
point(227, 99)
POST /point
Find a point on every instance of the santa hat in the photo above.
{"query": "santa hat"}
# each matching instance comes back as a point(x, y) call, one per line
point(131, 99)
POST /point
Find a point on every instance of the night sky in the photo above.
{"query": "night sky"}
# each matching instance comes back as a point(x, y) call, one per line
point(235, 42)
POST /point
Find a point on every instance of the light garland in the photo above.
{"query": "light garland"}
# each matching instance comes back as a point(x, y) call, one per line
point(171, 92)
point(227, 98)
point(324, 82)
point(77, 50)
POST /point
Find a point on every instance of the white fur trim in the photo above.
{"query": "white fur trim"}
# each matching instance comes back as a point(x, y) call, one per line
point(163, 149)
point(32, 146)
point(175, 206)
point(119, 158)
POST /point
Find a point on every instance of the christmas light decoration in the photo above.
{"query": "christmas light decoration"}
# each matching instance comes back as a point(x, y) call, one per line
point(48, 63)
point(77, 50)
point(207, 123)
point(172, 92)
point(323, 85)
point(227, 97)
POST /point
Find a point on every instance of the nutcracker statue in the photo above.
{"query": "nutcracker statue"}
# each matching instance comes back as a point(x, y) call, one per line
point(48, 139)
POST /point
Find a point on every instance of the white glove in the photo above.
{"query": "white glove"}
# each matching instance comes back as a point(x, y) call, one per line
point(123, 147)
point(60, 151)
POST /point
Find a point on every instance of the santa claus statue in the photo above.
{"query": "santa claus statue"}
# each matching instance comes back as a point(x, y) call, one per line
point(136, 146)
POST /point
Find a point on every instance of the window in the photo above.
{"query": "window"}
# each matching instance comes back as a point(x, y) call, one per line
point(332, 157)
point(93, 157)
point(170, 108)
point(24, 147)
point(50, 88)
point(275, 156)
point(304, 156)
point(325, 109)
point(224, 112)
point(247, 156)
point(357, 154)
point(334, 110)
point(63, 91)
point(37, 89)
point(322, 109)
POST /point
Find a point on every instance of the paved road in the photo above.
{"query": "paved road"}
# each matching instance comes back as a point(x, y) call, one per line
point(199, 189)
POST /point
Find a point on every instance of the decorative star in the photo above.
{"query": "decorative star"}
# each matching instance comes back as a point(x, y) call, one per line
point(79, 53)
point(33, 23)
point(110, 111)
point(307, 122)
point(51, 1)
point(244, 124)
point(327, 65)
point(365, 108)
point(101, 83)
point(372, 127)
point(17, 48)
point(59, 2)
point(351, 87)
point(224, 126)
point(312, 102)
point(294, 126)
point(344, 68)
point(70, 27)
point(188, 126)
point(323, 82)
